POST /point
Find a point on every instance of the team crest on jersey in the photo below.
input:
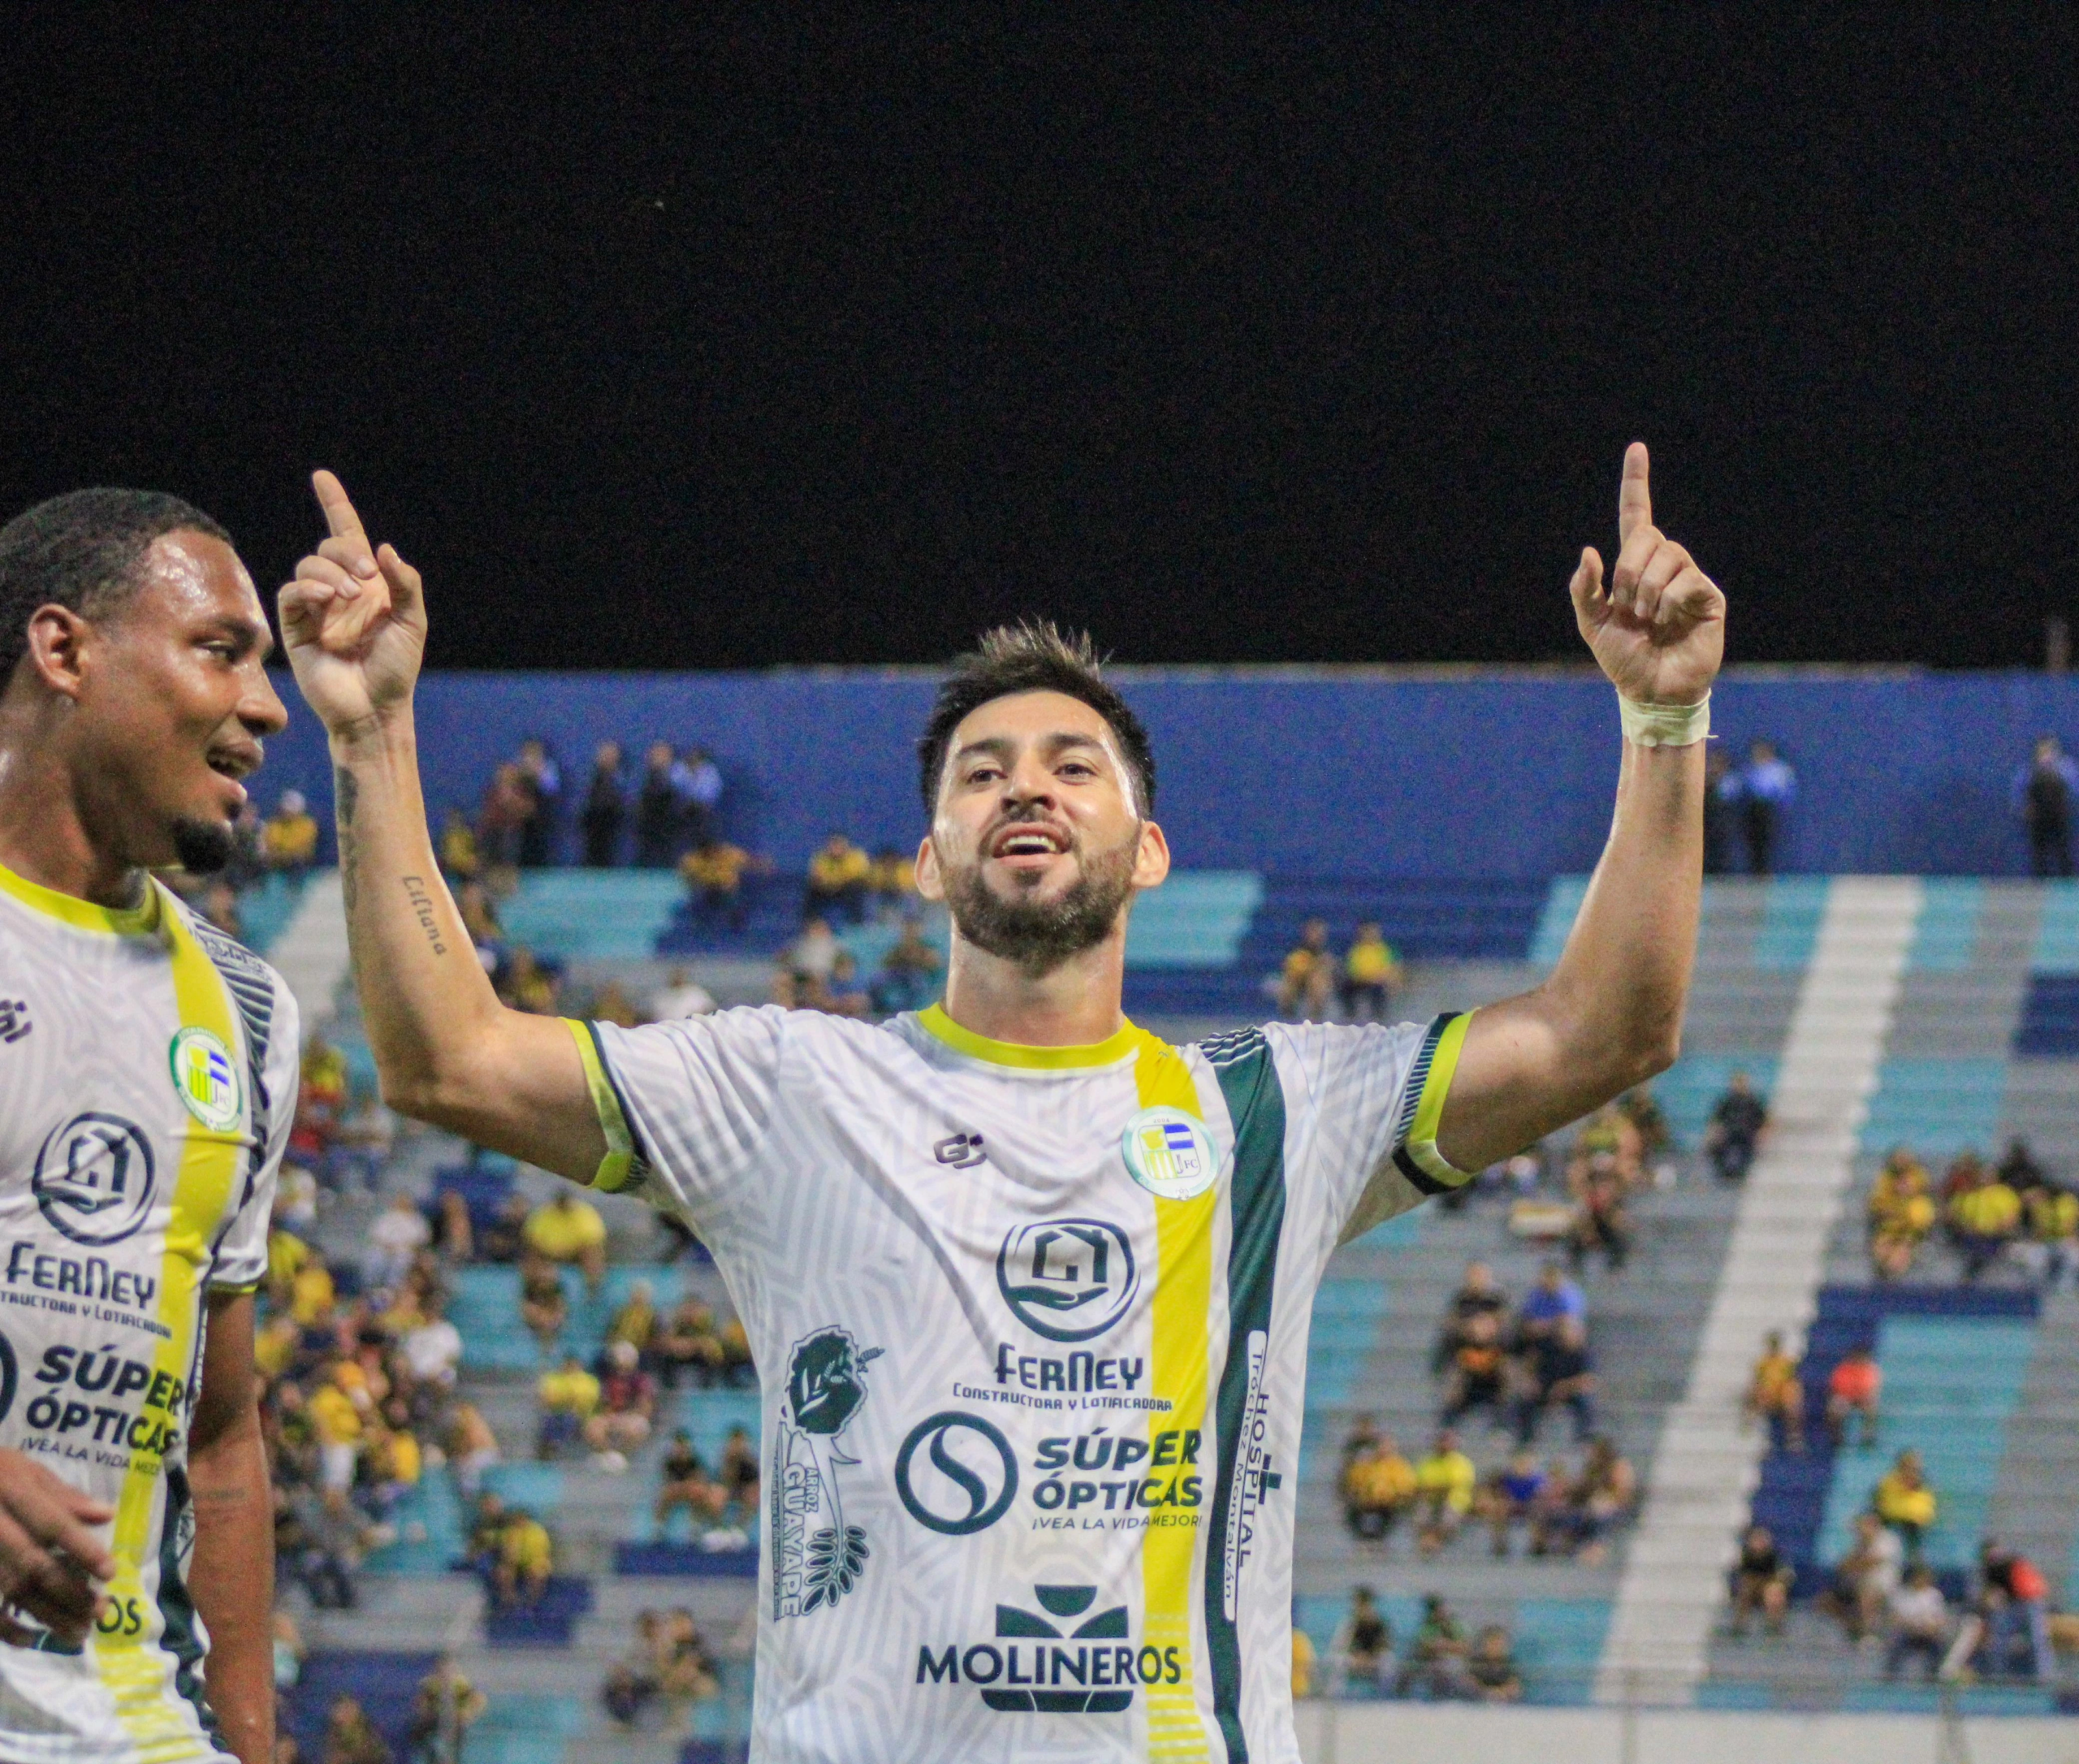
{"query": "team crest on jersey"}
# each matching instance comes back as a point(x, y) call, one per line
point(1169, 1153)
point(206, 1078)
point(816, 1557)
point(94, 1179)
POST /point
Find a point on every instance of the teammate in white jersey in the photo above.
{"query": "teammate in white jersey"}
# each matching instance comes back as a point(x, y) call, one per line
point(1029, 1288)
point(147, 1076)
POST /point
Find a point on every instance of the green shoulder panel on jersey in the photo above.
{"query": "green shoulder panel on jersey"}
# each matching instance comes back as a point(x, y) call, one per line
point(1415, 1154)
point(1256, 1104)
point(251, 983)
point(180, 1637)
point(624, 1169)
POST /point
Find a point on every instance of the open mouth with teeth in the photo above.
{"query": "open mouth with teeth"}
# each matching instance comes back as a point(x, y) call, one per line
point(1031, 844)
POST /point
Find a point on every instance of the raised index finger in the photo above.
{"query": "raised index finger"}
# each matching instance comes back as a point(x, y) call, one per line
point(1635, 502)
point(339, 514)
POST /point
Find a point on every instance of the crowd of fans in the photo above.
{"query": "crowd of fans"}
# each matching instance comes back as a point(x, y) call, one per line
point(2013, 1216)
point(1442, 1662)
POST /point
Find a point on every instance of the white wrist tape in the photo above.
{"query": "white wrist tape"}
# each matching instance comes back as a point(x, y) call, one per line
point(1665, 725)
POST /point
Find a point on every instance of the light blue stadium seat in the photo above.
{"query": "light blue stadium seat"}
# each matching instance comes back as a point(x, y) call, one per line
point(1947, 930)
point(1196, 919)
point(1558, 1642)
point(523, 1728)
point(1790, 921)
point(1937, 1107)
point(1563, 905)
point(431, 1530)
point(538, 1487)
point(591, 915)
point(2057, 932)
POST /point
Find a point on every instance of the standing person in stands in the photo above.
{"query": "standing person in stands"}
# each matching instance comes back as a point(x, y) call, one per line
point(658, 811)
point(1767, 787)
point(698, 782)
point(1735, 1134)
point(903, 1207)
point(542, 779)
point(1371, 973)
point(146, 1091)
point(1306, 982)
point(605, 811)
point(1719, 789)
point(2045, 790)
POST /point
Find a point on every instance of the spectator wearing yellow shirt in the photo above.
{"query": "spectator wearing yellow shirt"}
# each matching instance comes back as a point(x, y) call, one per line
point(1304, 1662)
point(526, 1558)
point(1444, 1482)
point(459, 859)
point(568, 1396)
point(892, 880)
point(1378, 1486)
point(1308, 980)
point(837, 881)
point(288, 841)
point(1987, 1217)
point(336, 1423)
point(1902, 1213)
point(311, 1291)
point(1904, 1502)
point(1775, 1394)
point(1371, 973)
point(2051, 1249)
point(565, 1228)
point(714, 875)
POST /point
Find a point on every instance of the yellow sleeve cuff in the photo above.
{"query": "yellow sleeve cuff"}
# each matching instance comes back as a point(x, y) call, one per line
point(1415, 1152)
point(622, 1166)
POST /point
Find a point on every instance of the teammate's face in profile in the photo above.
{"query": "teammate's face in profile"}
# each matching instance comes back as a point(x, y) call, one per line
point(1038, 840)
point(173, 699)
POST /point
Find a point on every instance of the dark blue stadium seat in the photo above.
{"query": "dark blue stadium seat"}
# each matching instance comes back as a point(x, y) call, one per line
point(547, 1624)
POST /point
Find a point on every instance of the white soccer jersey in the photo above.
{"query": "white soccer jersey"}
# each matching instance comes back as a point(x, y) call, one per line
point(148, 1072)
point(1032, 1324)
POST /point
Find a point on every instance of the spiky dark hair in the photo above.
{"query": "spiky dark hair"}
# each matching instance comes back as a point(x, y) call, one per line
point(1034, 655)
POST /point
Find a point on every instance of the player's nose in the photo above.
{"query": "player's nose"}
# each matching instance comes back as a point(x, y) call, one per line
point(260, 706)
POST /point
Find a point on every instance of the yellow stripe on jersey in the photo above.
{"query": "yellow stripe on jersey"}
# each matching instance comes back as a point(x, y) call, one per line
point(83, 916)
point(1018, 1054)
point(1420, 1143)
point(619, 1164)
point(136, 1668)
point(1182, 1350)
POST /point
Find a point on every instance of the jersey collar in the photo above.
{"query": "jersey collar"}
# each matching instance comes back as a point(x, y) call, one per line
point(83, 916)
point(1108, 1052)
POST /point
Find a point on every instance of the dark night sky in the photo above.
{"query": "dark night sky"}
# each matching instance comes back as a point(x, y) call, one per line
point(670, 336)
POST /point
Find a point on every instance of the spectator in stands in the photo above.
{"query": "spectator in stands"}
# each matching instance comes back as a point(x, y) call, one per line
point(321, 1104)
point(635, 1321)
point(398, 1234)
point(1477, 1295)
point(715, 872)
point(908, 978)
point(1378, 1487)
point(568, 1396)
point(1445, 1483)
point(288, 839)
point(837, 881)
point(604, 812)
point(460, 859)
point(891, 883)
point(444, 1707)
point(543, 1308)
point(686, 1484)
point(845, 994)
point(1718, 811)
point(501, 819)
point(813, 954)
point(1776, 1395)
point(2017, 1636)
point(480, 919)
point(659, 812)
point(680, 997)
point(1902, 1213)
point(1303, 1663)
point(2049, 1248)
point(738, 1470)
point(351, 1737)
point(1479, 1375)
point(685, 1670)
point(1854, 1389)
point(1306, 982)
point(1767, 787)
point(1561, 1374)
point(432, 1348)
point(1491, 1670)
point(1737, 1122)
point(1436, 1663)
point(1363, 1647)
point(336, 1424)
point(527, 983)
point(471, 1448)
point(2018, 1168)
point(1863, 1581)
point(737, 1370)
point(2044, 791)
point(289, 1651)
point(1602, 1221)
point(1986, 1215)
point(1597, 1501)
point(1371, 975)
point(542, 779)
point(631, 1682)
point(1919, 1622)
point(1905, 1502)
point(1552, 1301)
point(1760, 1582)
point(627, 1407)
point(526, 1559)
point(698, 782)
point(1517, 1493)
point(688, 1344)
point(566, 1230)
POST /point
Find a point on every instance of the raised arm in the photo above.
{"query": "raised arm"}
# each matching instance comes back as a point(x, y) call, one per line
point(1609, 1016)
point(446, 1050)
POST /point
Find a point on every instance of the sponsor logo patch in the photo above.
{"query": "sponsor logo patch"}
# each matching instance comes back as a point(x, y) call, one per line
point(965, 1481)
point(94, 1179)
point(206, 1079)
point(1067, 1279)
point(1169, 1153)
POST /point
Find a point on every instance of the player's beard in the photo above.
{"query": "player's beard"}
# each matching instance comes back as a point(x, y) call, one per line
point(204, 847)
point(1039, 935)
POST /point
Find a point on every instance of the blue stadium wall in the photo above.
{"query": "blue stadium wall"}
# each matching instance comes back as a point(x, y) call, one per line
point(1492, 774)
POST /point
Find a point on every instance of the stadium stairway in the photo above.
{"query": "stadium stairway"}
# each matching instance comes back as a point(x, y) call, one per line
point(1858, 933)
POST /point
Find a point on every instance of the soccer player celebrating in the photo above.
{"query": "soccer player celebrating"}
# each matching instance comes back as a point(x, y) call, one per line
point(147, 1079)
point(1028, 1288)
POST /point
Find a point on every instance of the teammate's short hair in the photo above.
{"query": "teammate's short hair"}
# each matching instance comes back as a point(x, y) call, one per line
point(1033, 656)
point(81, 550)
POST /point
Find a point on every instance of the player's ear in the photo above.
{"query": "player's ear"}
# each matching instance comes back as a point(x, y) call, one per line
point(931, 883)
point(1151, 858)
point(58, 640)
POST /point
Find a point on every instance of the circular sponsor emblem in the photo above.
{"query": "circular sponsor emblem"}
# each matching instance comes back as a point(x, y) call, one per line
point(1067, 1279)
point(206, 1079)
point(1169, 1153)
point(94, 1179)
point(967, 1479)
